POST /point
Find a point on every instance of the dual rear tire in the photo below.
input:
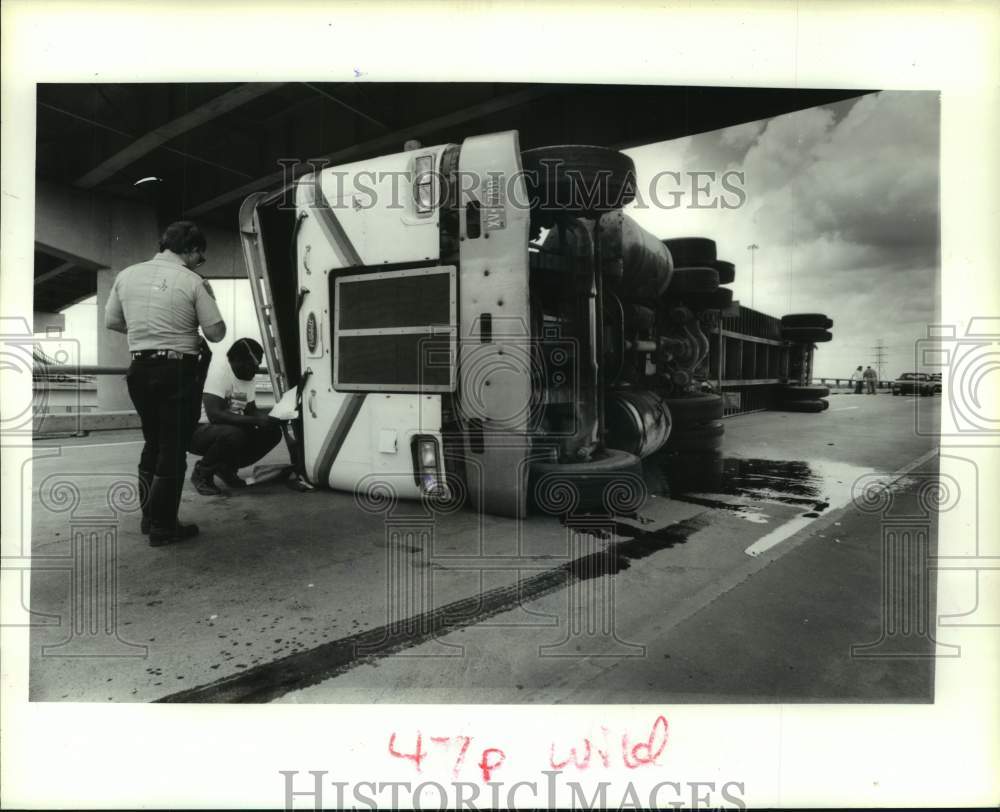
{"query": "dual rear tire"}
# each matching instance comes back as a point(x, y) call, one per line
point(697, 427)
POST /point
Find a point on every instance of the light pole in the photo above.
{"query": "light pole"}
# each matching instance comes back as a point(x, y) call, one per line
point(752, 248)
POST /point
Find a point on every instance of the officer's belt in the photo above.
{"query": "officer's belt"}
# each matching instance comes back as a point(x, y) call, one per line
point(173, 355)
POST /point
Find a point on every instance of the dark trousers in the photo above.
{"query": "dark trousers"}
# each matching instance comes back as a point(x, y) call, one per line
point(166, 394)
point(858, 386)
point(232, 447)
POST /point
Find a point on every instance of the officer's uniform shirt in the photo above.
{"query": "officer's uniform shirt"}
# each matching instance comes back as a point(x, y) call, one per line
point(162, 303)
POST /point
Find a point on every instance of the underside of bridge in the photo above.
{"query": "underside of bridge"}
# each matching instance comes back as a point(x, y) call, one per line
point(203, 147)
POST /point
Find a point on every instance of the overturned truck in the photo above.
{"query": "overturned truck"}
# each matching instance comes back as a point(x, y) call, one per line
point(476, 323)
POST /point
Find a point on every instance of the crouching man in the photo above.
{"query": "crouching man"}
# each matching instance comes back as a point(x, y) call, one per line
point(233, 433)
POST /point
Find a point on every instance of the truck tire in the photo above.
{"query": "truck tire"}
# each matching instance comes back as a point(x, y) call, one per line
point(702, 437)
point(804, 406)
point(611, 483)
point(804, 392)
point(727, 271)
point(718, 299)
point(561, 178)
point(692, 410)
point(691, 252)
point(806, 335)
point(817, 320)
point(693, 280)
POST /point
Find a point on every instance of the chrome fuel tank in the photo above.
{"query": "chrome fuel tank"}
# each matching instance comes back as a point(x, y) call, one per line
point(638, 421)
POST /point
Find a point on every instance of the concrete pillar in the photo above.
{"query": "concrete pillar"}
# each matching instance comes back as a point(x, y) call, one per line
point(133, 238)
point(112, 350)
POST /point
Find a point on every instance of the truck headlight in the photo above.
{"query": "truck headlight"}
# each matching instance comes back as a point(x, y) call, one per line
point(424, 165)
point(425, 198)
point(423, 180)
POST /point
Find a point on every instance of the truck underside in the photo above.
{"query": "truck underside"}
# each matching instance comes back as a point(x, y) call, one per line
point(498, 332)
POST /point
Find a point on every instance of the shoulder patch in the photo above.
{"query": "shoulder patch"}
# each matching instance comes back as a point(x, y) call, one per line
point(208, 288)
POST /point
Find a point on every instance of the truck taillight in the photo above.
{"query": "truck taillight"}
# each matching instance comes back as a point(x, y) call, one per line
point(423, 183)
point(428, 454)
point(426, 462)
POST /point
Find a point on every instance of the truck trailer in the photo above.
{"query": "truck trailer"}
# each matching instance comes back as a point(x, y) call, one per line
point(473, 323)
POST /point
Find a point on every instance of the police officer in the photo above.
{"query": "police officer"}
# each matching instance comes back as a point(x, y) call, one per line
point(160, 305)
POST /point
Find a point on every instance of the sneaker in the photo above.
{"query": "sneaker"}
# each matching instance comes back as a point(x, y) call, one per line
point(228, 475)
point(202, 479)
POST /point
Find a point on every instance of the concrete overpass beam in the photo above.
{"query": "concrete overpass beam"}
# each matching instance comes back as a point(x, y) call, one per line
point(72, 224)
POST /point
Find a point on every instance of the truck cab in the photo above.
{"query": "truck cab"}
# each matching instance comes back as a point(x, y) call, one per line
point(476, 323)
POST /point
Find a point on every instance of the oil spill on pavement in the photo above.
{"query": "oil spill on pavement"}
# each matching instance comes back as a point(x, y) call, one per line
point(737, 484)
point(268, 681)
point(636, 544)
point(745, 486)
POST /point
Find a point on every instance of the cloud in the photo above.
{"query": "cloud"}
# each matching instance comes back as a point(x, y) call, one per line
point(869, 182)
point(741, 136)
point(843, 202)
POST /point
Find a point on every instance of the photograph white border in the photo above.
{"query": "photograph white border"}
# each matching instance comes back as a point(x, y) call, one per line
point(121, 755)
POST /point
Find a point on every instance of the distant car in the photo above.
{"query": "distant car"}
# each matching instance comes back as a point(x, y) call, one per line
point(936, 379)
point(914, 383)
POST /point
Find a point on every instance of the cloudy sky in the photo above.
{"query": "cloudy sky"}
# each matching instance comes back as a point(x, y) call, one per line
point(842, 200)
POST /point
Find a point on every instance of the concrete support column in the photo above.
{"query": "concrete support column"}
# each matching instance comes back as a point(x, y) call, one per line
point(112, 350)
point(134, 237)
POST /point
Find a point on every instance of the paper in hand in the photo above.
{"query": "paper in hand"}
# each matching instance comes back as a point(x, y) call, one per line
point(285, 409)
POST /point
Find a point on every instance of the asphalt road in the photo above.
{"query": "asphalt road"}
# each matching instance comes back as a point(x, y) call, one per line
point(746, 578)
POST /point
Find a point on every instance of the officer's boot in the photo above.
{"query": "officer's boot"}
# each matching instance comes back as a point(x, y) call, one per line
point(145, 483)
point(163, 499)
point(185, 529)
point(203, 479)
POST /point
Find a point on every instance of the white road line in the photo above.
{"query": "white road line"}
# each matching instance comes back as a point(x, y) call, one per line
point(844, 409)
point(792, 526)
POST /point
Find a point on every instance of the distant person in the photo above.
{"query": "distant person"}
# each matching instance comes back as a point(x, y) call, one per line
point(871, 379)
point(857, 378)
point(160, 304)
point(234, 432)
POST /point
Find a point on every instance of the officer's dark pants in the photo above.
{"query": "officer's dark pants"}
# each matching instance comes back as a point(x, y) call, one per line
point(166, 394)
point(232, 447)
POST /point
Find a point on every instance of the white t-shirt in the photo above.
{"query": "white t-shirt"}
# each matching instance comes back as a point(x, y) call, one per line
point(223, 383)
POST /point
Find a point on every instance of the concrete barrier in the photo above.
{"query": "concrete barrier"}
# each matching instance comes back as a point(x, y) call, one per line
point(83, 422)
